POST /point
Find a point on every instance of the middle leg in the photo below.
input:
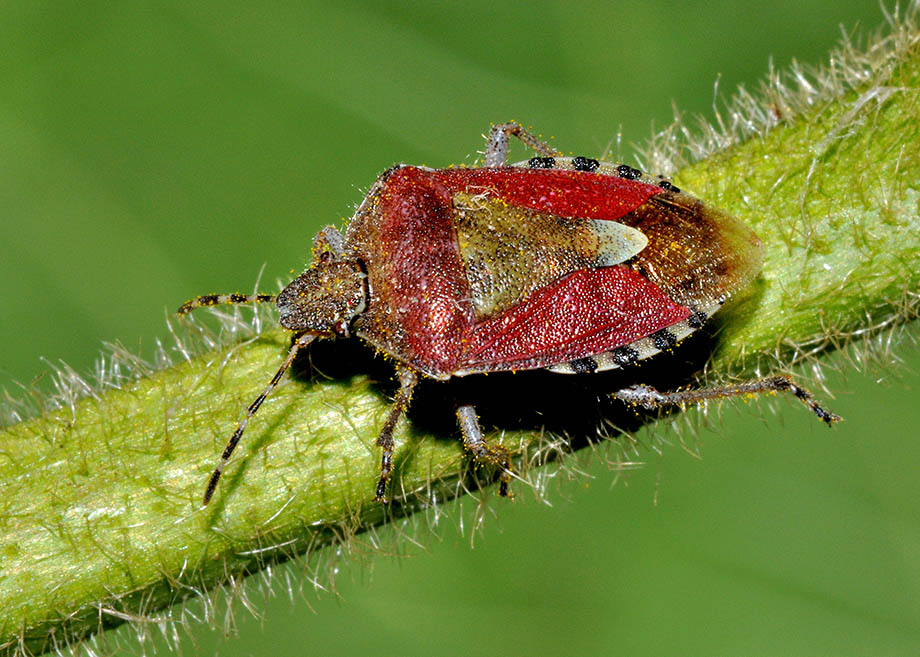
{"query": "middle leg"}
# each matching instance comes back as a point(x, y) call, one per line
point(481, 451)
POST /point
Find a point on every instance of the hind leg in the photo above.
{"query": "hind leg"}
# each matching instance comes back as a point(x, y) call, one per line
point(497, 143)
point(650, 398)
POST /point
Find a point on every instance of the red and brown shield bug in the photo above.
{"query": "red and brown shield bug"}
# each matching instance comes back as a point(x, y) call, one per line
point(567, 264)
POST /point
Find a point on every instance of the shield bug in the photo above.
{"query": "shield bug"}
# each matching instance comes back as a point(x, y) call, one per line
point(562, 263)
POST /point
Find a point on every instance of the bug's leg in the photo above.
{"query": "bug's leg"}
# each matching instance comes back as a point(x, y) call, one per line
point(301, 341)
point(650, 398)
point(482, 452)
point(497, 143)
point(328, 245)
point(407, 380)
point(221, 299)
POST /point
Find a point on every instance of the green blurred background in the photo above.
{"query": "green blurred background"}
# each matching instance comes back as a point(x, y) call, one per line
point(154, 151)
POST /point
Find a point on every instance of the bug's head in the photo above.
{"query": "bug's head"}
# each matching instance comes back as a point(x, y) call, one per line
point(325, 298)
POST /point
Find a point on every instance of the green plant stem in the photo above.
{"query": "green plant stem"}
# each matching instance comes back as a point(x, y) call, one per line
point(100, 504)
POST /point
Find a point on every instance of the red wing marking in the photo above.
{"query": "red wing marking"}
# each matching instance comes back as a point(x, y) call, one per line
point(561, 192)
point(421, 276)
point(590, 311)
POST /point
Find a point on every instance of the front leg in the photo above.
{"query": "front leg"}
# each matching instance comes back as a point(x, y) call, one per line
point(482, 452)
point(407, 380)
point(497, 143)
